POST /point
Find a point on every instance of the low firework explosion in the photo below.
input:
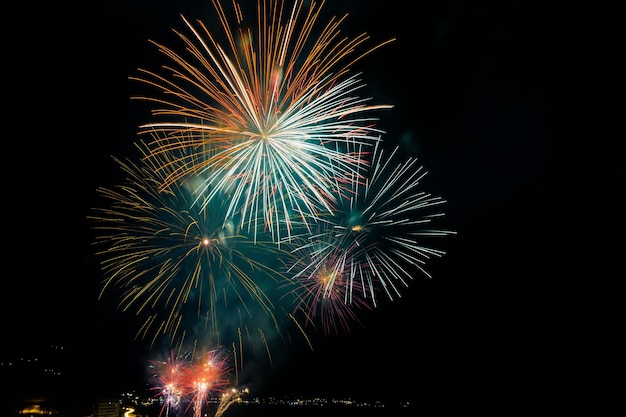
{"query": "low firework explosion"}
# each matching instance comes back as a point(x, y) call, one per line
point(188, 381)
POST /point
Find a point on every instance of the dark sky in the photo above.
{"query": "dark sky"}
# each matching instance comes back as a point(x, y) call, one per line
point(514, 110)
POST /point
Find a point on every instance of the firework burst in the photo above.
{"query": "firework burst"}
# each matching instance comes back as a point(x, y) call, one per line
point(327, 290)
point(169, 382)
point(263, 195)
point(275, 106)
point(185, 271)
point(383, 227)
point(206, 377)
point(189, 380)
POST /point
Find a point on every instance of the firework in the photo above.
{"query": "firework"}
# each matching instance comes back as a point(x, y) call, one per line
point(262, 195)
point(186, 272)
point(229, 398)
point(382, 227)
point(327, 289)
point(192, 379)
point(275, 108)
point(169, 382)
point(206, 377)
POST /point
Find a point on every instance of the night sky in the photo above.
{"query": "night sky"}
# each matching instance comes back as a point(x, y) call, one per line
point(515, 111)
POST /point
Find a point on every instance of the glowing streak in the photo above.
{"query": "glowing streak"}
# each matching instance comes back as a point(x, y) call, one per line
point(174, 265)
point(265, 123)
point(375, 240)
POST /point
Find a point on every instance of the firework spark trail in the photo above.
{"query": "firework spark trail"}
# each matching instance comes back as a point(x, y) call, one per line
point(326, 292)
point(179, 267)
point(169, 383)
point(192, 379)
point(229, 398)
point(269, 103)
point(206, 377)
point(383, 224)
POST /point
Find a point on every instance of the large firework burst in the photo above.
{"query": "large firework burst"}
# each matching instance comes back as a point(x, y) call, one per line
point(185, 271)
point(275, 106)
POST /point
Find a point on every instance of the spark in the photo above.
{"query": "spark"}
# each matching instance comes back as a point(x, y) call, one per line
point(380, 236)
point(191, 379)
point(326, 290)
point(274, 106)
point(177, 267)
